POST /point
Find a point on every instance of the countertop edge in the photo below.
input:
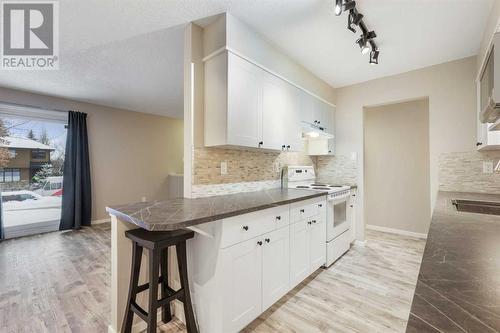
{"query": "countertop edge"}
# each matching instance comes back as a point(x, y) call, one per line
point(197, 221)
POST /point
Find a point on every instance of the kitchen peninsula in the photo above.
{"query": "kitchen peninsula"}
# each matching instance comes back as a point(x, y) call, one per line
point(228, 248)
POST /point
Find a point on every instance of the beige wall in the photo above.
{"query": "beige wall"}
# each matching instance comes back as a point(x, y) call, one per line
point(452, 113)
point(396, 164)
point(131, 153)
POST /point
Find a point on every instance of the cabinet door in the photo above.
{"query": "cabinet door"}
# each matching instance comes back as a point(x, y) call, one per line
point(306, 112)
point(242, 287)
point(317, 243)
point(244, 119)
point(322, 113)
point(275, 266)
point(292, 120)
point(275, 102)
point(299, 252)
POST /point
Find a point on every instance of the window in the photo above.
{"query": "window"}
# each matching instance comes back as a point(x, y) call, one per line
point(12, 153)
point(38, 154)
point(10, 175)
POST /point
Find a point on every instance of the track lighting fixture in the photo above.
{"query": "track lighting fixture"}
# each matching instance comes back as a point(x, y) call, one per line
point(338, 7)
point(355, 18)
point(374, 57)
point(363, 44)
point(350, 22)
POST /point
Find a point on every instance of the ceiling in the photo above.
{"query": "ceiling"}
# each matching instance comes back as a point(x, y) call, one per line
point(128, 53)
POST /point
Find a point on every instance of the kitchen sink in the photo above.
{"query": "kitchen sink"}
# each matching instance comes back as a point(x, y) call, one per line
point(481, 207)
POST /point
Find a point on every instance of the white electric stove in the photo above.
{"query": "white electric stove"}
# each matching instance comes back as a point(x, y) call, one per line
point(338, 216)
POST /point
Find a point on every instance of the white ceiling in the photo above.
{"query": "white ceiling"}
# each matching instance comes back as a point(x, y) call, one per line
point(128, 53)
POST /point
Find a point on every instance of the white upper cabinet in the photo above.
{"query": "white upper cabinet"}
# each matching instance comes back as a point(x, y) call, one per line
point(244, 121)
point(247, 106)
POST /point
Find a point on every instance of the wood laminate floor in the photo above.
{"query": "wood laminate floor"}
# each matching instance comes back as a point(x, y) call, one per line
point(59, 282)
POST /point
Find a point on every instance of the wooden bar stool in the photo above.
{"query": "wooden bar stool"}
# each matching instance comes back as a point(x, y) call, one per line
point(157, 243)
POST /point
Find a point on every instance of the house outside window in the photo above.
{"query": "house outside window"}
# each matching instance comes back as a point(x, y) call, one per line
point(38, 154)
point(12, 153)
point(9, 175)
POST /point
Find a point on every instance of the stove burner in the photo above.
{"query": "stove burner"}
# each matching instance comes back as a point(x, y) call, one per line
point(301, 186)
point(321, 185)
point(335, 185)
point(324, 188)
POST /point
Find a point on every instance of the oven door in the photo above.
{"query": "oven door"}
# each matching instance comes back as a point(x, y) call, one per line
point(338, 217)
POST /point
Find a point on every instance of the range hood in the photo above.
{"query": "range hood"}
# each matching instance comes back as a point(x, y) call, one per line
point(310, 130)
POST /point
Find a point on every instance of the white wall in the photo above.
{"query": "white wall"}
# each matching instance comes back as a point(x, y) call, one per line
point(452, 113)
point(397, 180)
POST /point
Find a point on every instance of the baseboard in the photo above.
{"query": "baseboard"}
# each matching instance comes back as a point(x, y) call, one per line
point(100, 221)
point(396, 231)
point(360, 243)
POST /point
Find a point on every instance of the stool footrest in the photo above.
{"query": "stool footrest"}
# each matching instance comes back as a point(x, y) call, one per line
point(139, 311)
point(179, 294)
point(145, 286)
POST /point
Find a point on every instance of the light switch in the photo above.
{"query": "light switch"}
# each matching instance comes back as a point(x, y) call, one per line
point(487, 166)
point(223, 168)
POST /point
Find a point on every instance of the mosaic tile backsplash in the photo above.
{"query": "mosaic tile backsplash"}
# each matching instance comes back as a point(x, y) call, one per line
point(338, 170)
point(242, 165)
point(463, 172)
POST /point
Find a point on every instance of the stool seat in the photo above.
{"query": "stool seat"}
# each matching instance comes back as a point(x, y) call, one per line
point(158, 239)
point(157, 244)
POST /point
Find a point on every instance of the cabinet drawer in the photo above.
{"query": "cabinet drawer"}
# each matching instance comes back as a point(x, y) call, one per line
point(243, 227)
point(306, 209)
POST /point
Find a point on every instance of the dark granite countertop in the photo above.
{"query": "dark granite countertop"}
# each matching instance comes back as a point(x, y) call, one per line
point(458, 288)
point(180, 213)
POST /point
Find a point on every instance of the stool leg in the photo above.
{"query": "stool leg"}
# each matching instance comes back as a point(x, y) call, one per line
point(166, 315)
point(188, 307)
point(154, 263)
point(132, 290)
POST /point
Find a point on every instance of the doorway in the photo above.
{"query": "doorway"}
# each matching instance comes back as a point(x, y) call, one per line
point(31, 174)
point(397, 167)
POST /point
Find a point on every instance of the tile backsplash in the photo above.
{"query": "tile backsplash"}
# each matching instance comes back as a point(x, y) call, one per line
point(242, 165)
point(463, 172)
point(338, 169)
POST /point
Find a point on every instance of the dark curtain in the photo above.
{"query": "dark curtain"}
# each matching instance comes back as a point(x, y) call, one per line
point(76, 200)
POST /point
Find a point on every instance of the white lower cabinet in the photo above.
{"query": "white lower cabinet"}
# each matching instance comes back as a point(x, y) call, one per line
point(307, 248)
point(242, 273)
point(275, 266)
point(235, 278)
point(299, 252)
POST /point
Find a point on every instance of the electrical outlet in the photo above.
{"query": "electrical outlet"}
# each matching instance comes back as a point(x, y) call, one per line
point(487, 166)
point(223, 168)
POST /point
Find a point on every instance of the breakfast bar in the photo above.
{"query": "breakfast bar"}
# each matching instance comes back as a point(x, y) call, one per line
point(263, 213)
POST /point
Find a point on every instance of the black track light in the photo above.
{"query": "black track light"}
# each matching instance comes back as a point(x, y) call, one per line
point(349, 5)
point(370, 35)
point(363, 44)
point(356, 17)
point(350, 21)
point(374, 57)
point(338, 7)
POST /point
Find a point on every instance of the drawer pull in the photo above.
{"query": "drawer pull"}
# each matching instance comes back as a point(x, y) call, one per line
point(313, 221)
point(320, 205)
point(352, 206)
point(278, 218)
point(309, 222)
point(268, 240)
point(245, 227)
point(302, 210)
point(259, 243)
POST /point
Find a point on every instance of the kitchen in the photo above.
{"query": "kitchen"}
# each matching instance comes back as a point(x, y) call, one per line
point(315, 190)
